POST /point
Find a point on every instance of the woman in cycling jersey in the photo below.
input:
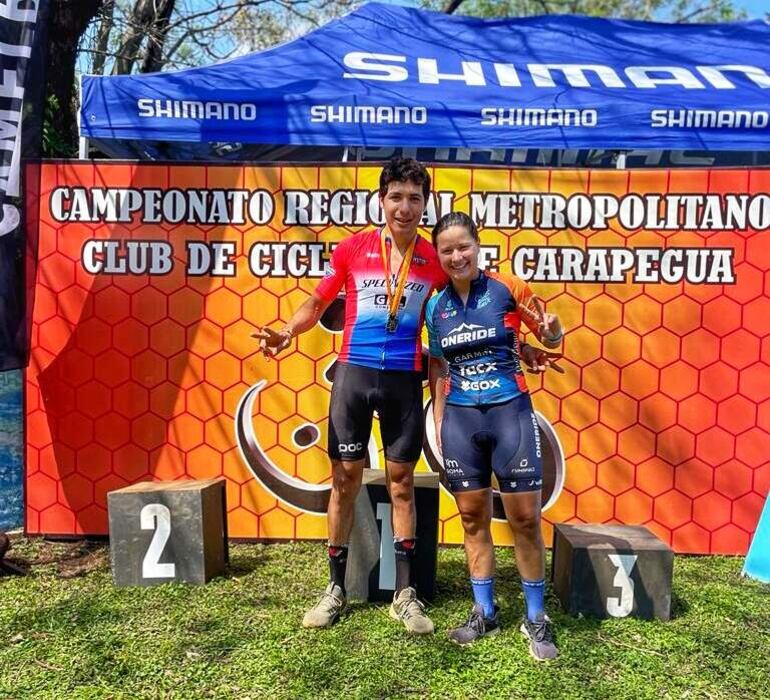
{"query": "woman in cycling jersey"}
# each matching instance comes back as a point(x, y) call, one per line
point(485, 422)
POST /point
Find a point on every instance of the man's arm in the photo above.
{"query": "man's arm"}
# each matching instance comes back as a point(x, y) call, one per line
point(438, 371)
point(304, 318)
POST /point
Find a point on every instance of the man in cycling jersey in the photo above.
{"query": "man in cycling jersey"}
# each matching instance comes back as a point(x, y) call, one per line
point(388, 275)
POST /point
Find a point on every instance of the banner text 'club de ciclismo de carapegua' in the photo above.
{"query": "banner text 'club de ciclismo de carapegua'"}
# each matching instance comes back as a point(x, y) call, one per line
point(151, 279)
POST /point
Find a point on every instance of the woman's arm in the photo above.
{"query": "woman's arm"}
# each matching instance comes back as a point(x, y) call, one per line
point(438, 371)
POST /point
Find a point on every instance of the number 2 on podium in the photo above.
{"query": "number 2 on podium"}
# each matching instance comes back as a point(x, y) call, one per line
point(156, 516)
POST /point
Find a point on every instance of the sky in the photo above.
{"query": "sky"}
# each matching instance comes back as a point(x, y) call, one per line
point(755, 9)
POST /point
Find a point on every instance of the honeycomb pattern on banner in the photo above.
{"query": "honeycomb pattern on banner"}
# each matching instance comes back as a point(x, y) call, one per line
point(662, 414)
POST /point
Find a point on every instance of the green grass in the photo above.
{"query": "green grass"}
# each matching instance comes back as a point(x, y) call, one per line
point(75, 636)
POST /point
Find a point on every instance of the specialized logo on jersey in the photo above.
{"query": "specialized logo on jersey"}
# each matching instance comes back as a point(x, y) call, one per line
point(467, 333)
point(409, 286)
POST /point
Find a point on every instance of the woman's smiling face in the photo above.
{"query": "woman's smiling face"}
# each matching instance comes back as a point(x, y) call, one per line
point(458, 253)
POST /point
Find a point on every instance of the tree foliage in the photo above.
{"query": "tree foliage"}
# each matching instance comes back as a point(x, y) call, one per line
point(142, 36)
point(660, 10)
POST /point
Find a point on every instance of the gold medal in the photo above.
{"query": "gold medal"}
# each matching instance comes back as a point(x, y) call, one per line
point(394, 300)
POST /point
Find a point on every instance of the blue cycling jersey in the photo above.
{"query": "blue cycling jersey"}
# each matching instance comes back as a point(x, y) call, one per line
point(479, 339)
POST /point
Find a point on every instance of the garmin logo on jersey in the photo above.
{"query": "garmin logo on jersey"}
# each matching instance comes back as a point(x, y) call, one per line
point(368, 114)
point(467, 333)
point(194, 109)
point(474, 355)
point(391, 68)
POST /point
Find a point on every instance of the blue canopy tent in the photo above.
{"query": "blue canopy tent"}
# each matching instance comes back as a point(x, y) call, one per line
point(386, 75)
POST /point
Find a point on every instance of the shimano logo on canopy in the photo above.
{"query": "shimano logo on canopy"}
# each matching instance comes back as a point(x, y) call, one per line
point(393, 68)
point(196, 109)
point(367, 114)
point(467, 333)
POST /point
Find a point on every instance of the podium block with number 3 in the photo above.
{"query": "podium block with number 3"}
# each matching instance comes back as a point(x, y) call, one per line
point(167, 531)
point(612, 571)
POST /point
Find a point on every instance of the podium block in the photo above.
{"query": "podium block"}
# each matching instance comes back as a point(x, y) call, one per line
point(371, 571)
point(165, 531)
point(612, 571)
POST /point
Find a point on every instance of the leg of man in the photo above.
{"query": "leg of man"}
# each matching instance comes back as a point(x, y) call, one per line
point(406, 607)
point(350, 416)
point(400, 483)
point(402, 426)
point(346, 482)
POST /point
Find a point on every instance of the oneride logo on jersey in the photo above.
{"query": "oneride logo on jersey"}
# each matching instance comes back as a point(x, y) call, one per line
point(467, 333)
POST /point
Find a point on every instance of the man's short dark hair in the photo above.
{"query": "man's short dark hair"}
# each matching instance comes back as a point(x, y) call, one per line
point(404, 170)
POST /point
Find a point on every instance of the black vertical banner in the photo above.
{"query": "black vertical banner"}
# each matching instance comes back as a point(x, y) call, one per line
point(23, 40)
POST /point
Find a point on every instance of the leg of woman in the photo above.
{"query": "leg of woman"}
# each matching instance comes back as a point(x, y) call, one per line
point(523, 513)
point(476, 512)
point(516, 461)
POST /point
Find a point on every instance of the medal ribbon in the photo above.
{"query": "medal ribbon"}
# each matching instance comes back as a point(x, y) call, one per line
point(403, 272)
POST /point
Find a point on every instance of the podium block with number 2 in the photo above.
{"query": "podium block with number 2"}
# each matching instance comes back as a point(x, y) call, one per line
point(167, 531)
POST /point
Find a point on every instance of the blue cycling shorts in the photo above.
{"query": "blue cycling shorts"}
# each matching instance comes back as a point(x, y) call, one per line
point(502, 438)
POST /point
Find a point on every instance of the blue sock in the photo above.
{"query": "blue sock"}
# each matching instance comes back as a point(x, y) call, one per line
point(534, 596)
point(484, 594)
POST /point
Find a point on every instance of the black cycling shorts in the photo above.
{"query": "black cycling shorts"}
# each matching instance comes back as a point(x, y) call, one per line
point(502, 438)
point(396, 395)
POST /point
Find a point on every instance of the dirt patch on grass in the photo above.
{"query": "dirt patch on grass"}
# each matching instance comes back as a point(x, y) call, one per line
point(66, 559)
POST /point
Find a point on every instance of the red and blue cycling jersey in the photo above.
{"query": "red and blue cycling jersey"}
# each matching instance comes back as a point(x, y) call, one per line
point(479, 338)
point(357, 264)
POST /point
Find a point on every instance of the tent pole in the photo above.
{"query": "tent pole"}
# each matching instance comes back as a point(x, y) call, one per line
point(620, 163)
point(345, 154)
point(82, 140)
